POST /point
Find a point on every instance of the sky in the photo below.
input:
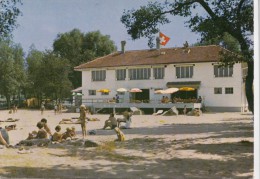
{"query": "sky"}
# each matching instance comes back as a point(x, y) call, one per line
point(43, 20)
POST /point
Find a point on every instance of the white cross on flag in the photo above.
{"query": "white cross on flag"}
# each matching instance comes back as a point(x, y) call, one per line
point(163, 39)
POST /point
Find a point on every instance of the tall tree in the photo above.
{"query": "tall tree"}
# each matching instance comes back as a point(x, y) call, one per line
point(47, 75)
point(54, 71)
point(12, 71)
point(80, 48)
point(232, 17)
point(8, 16)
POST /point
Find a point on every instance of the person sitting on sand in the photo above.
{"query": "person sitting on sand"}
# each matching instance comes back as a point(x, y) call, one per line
point(32, 135)
point(111, 122)
point(82, 119)
point(46, 127)
point(73, 131)
point(120, 134)
point(67, 134)
point(4, 137)
point(57, 136)
point(126, 119)
point(41, 134)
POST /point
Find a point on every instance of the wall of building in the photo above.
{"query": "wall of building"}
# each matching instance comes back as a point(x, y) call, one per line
point(203, 72)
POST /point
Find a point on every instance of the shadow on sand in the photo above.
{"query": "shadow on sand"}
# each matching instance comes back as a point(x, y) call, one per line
point(239, 155)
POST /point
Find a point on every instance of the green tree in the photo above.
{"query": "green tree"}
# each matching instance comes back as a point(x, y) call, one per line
point(227, 41)
point(8, 16)
point(47, 75)
point(80, 48)
point(54, 71)
point(12, 71)
point(35, 82)
point(232, 17)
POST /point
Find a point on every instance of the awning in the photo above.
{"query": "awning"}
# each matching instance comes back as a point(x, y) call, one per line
point(191, 84)
point(79, 89)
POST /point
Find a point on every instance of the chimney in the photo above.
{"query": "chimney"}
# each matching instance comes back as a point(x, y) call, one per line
point(158, 43)
point(123, 46)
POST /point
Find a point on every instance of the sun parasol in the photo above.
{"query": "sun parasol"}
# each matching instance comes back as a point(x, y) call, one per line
point(170, 90)
point(121, 90)
point(159, 92)
point(104, 90)
point(135, 90)
point(187, 89)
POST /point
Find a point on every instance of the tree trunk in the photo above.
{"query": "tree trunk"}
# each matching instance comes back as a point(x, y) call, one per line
point(249, 86)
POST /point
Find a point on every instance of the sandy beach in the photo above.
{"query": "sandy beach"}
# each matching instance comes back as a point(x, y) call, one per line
point(214, 145)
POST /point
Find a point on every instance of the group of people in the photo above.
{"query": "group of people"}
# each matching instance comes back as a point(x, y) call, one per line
point(166, 99)
point(14, 109)
point(112, 122)
point(57, 108)
point(44, 132)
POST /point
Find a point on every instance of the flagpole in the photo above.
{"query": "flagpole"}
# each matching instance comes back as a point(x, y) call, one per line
point(158, 44)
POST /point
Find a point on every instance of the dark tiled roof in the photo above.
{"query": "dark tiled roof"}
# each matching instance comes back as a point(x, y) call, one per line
point(194, 54)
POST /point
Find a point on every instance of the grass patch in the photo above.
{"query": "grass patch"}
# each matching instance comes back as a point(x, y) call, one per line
point(107, 146)
point(122, 158)
point(246, 143)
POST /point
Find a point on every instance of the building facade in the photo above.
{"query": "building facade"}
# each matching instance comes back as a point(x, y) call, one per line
point(221, 88)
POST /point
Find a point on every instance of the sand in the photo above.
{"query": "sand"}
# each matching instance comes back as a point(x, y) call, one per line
point(214, 145)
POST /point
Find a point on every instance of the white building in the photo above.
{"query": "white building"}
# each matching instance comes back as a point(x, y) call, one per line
point(222, 89)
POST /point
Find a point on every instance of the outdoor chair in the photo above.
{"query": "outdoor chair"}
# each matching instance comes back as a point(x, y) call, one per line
point(136, 111)
point(159, 112)
point(171, 112)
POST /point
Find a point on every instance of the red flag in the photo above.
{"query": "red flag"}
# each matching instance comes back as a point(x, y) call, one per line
point(163, 39)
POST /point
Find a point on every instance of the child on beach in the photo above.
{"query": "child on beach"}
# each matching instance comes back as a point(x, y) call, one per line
point(82, 119)
point(120, 134)
point(46, 127)
point(57, 136)
point(41, 134)
point(73, 131)
point(69, 133)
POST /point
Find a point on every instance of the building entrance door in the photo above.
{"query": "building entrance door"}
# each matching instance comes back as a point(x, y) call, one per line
point(143, 96)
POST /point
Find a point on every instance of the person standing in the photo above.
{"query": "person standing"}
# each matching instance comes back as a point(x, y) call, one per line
point(42, 108)
point(117, 98)
point(199, 100)
point(82, 119)
point(185, 110)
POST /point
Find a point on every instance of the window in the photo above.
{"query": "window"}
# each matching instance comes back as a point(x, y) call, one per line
point(99, 75)
point(120, 74)
point(158, 73)
point(221, 71)
point(217, 90)
point(184, 71)
point(91, 92)
point(139, 74)
point(229, 91)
